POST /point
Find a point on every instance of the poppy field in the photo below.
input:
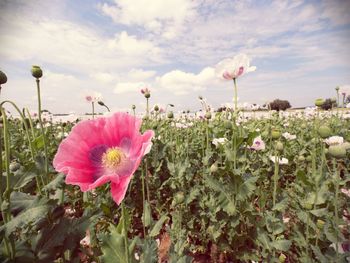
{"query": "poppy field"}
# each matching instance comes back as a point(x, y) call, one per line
point(208, 186)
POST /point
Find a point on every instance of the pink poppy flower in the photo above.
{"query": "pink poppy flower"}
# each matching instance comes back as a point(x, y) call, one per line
point(103, 150)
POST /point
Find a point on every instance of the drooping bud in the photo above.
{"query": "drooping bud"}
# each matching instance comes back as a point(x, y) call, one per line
point(101, 103)
point(37, 72)
point(214, 168)
point(3, 78)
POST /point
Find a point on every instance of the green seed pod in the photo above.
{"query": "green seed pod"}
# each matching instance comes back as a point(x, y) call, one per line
point(324, 131)
point(279, 146)
point(3, 78)
point(319, 102)
point(307, 206)
point(213, 168)
point(275, 133)
point(37, 72)
point(133, 107)
point(170, 115)
point(337, 151)
point(303, 126)
point(156, 108)
point(309, 158)
point(147, 95)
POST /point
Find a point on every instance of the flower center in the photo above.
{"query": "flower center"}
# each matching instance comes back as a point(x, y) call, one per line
point(112, 158)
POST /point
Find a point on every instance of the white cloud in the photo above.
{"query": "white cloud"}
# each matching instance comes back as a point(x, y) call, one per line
point(180, 83)
point(158, 16)
point(128, 87)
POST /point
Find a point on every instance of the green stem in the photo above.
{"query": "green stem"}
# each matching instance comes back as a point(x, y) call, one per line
point(42, 129)
point(336, 206)
point(143, 202)
point(126, 243)
point(26, 129)
point(235, 94)
point(275, 178)
point(7, 216)
point(93, 109)
point(30, 122)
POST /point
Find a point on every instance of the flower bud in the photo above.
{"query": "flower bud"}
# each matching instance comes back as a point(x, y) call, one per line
point(275, 133)
point(14, 166)
point(179, 198)
point(301, 158)
point(37, 72)
point(213, 168)
point(208, 115)
point(170, 115)
point(279, 146)
point(337, 151)
point(3, 78)
point(319, 102)
point(147, 95)
point(324, 131)
point(320, 223)
point(309, 158)
point(228, 125)
point(156, 108)
point(133, 106)
point(282, 258)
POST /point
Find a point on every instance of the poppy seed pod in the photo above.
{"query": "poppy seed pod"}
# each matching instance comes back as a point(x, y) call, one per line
point(3, 78)
point(133, 106)
point(324, 131)
point(337, 151)
point(208, 115)
point(279, 146)
point(319, 102)
point(170, 115)
point(37, 72)
point(275, 133)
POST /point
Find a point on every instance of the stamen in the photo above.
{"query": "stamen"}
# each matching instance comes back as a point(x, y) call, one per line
point(112, 158)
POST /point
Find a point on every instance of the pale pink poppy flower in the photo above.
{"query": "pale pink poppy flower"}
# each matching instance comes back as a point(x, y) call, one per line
point(107, 149)
point(88, 98)
point(232, 68)
point(258, 144)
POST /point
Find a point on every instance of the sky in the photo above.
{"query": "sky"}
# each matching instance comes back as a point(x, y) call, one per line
point(116, 47)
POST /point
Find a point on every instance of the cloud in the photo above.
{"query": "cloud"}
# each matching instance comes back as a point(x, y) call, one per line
point(73, 46)
point(128, 87)
point(181, 83)
point(157, 16)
